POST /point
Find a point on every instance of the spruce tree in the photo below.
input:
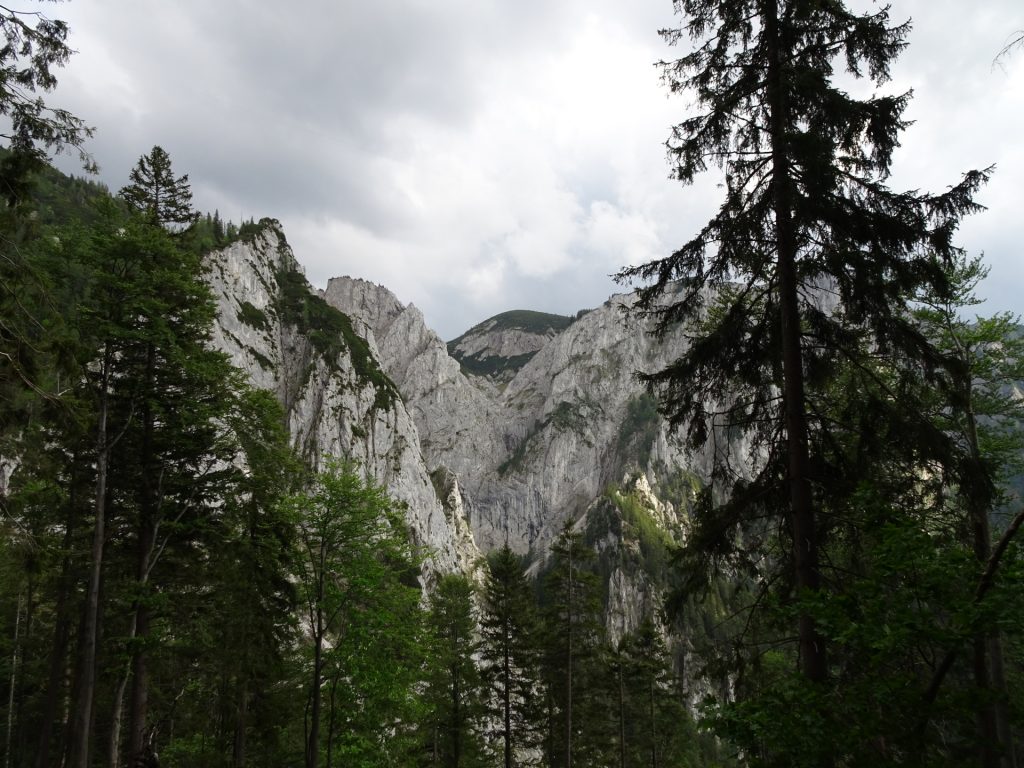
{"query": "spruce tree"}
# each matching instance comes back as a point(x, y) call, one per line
point(795, 297)
point(156, 400)
point(810, 260)
point(36, 46)
point(574, 638)
point(154, 191)
point(454, 692)
point(510, 655)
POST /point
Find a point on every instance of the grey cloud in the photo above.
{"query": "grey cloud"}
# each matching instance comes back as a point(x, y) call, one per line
point(304, 113)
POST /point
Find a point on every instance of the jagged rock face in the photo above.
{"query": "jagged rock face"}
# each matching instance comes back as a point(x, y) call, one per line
point(480, 460)
point(456, 419)
point(540, 450)
point(332, 410)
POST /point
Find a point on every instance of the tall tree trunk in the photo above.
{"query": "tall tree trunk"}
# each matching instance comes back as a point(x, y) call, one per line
point(313, 741)
point(1005, 730)
point(117, 718)
point(139, 697)
point(117, 713)
point(622, 714)
point(145, 546)
point(654, 729)
point(506, 693)
point(992, 720)
point(988, 732)
point(61, 636)
point(456, 719)
point(13, 681)
point(241, 718)
point(803, 527)
point(332, 719)
point(82, 713)
point(568, 665)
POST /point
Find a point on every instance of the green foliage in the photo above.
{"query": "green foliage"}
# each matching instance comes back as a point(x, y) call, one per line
point(539, 323)
point(155, 193)
point(364, 620)
point(639, 429)
point(253, 316)
point(454, 694)
point(654, 727)
point(331, 334)
point(653, 544)
point(510, 655)
point(35, 46)
point(573, 642)
point(796, 299)
point(496, 366)
point(491, 365)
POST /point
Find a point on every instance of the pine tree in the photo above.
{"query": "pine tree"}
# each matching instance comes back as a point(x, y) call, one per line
point(154, 191)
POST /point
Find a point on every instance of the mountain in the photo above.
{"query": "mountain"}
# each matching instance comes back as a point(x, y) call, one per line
point(502, 435)
point(500, 346)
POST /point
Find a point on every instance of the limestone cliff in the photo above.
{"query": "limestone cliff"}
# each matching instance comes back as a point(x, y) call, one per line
point(556, 429)
point(336, 399)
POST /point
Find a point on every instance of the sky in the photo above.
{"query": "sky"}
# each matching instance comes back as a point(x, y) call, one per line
point(477, 156)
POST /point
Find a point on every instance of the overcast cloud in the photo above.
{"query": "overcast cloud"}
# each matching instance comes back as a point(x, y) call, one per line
point(476, 156)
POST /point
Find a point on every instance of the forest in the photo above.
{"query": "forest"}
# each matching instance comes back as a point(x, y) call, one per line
point(181, 586)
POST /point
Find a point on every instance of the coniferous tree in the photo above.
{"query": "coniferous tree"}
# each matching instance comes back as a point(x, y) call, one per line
point(575, 683)
point(797, 290)
point(156, 398)
point(454, 693)
point(154, 191)
point(510, 655)
point(988, 421)
point(657, 729)
point(36, 45)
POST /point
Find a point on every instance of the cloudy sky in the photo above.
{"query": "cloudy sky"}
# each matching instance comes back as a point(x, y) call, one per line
point(477, 156)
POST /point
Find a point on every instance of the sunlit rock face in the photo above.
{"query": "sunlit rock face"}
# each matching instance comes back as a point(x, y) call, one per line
point(523, 423)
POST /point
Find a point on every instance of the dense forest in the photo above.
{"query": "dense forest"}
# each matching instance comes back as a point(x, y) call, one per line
point(180, 587)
